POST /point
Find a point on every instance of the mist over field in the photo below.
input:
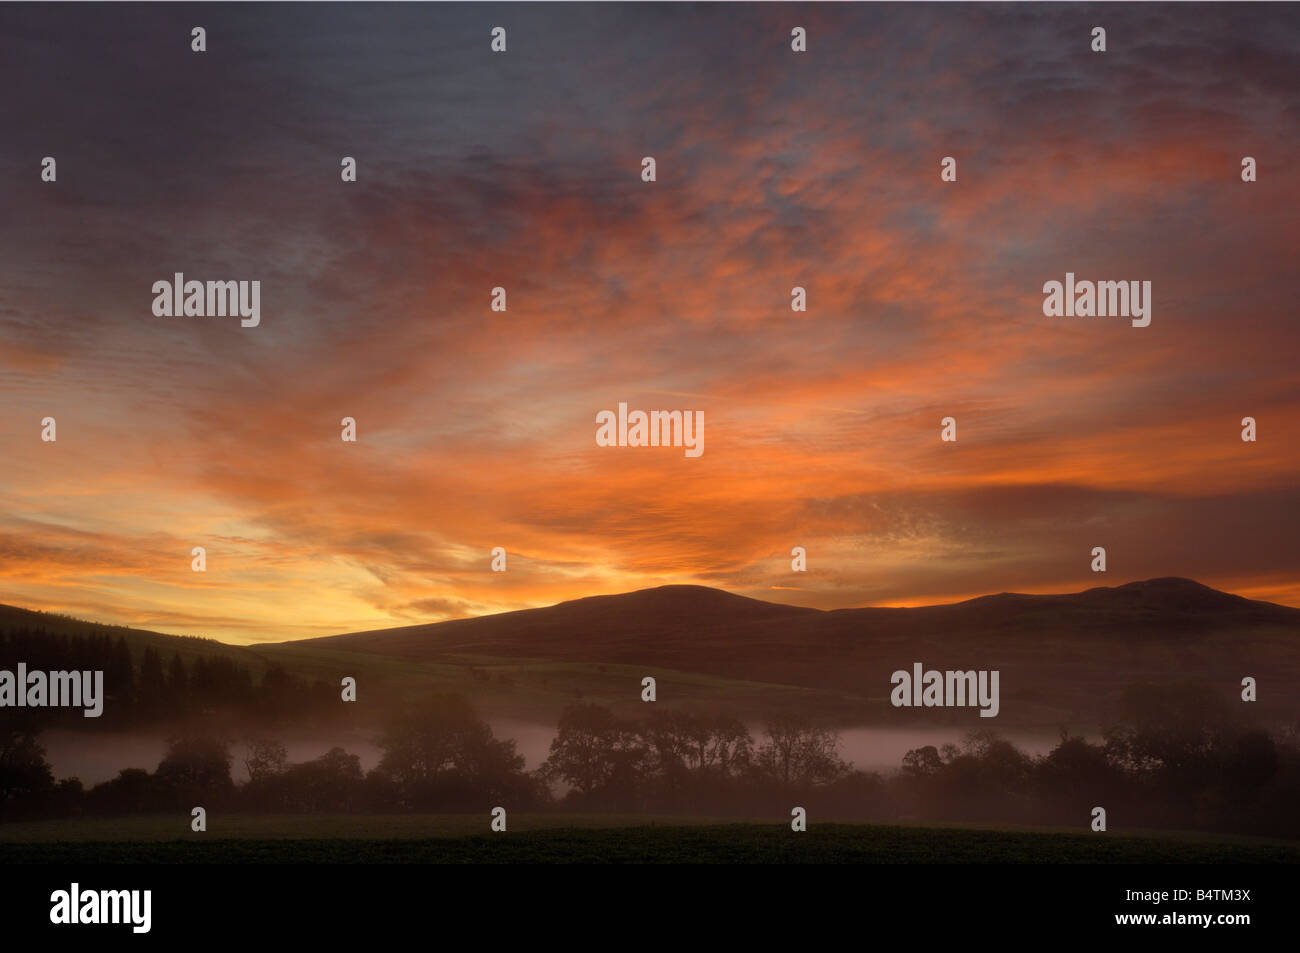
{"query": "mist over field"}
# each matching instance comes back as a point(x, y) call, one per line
point(99, 757)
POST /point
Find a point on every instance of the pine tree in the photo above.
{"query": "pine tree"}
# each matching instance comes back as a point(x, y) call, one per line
point(178, 685)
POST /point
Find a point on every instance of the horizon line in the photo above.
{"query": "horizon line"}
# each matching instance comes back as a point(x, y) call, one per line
point(631, 592)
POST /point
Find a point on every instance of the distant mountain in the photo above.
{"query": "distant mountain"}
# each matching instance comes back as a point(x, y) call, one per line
point(637, 626)
point(1168, 595)
point(1064, 659)
point(1069, 654)
point(625, 623)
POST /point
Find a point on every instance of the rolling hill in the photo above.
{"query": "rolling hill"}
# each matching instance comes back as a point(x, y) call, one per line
point(1064, 659)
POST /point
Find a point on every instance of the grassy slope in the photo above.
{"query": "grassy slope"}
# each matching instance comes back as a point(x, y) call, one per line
point(1064, 659)
point(532, 688)
point(540, 688)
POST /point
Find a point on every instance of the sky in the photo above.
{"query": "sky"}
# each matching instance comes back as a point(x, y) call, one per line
point(476, 429)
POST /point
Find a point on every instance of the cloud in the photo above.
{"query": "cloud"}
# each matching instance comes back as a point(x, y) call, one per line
point(477, 428)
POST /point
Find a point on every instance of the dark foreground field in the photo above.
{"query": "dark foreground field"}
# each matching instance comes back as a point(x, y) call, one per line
point(588, 839)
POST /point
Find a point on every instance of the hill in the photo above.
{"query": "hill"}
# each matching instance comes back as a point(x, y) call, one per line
point(188, 647)
point(1063, 658)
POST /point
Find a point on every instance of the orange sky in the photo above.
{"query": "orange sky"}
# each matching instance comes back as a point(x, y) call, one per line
point(477, 428)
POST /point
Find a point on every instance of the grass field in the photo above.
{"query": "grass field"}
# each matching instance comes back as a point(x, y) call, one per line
point(569, 838)
point(539, 689)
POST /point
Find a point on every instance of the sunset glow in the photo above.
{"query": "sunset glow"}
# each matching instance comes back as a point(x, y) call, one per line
point(476, 428)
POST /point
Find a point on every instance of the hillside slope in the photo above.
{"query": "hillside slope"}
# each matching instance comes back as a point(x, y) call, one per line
point(1059, 655)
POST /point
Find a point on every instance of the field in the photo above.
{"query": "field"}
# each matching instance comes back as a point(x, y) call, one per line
point(569, 838)
point(539, 689)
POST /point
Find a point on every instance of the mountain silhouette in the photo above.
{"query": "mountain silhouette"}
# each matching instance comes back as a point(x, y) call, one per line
point(632, 625)
point(1063, 659)
point(1072, 652)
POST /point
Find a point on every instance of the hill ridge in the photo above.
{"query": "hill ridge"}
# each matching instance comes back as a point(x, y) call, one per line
point(1063, 658)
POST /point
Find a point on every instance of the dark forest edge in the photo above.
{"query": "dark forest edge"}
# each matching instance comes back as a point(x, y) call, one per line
point(1178, 759)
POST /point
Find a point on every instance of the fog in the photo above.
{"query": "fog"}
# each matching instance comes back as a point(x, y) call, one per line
point(99, 757)
point(882, 749)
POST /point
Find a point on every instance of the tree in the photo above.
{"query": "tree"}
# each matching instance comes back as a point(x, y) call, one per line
point(799, 753)
point(922, 762)
point(1171, 734)
point(1251, 764)
point(132, 791)
point(119, 674)
point(1076, 775)
point(595, 751)
point(687, 742)
point(264, 758)
point(152, 684)
point(195, 771)
point(178, 685)
point(332, 782)
point(442, 755)
point(25, 775)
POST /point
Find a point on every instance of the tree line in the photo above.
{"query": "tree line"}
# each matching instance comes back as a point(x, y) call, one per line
point(160, 689)
point(1178, 758)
